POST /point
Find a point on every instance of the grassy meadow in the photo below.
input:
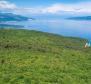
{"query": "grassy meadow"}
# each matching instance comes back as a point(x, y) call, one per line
point(34, 57)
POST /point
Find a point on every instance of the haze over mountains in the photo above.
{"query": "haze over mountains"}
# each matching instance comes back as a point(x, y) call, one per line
point(80, 18)
point(12, 17)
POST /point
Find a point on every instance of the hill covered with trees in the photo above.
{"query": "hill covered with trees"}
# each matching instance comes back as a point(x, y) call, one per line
point(34, 57)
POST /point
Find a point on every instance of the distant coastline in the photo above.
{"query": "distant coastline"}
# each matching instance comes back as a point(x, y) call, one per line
point(82, 18)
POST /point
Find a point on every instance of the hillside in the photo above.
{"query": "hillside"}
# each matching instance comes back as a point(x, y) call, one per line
point(34, 57)
point(80, 18)
point(12, 17)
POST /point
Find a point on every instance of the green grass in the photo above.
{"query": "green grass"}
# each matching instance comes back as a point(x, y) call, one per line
point(33, 57)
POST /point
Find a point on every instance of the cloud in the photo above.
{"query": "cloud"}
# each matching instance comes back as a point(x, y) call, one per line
point(78, 8)
point(74, 9)
point(7, 5)
point(57, 8)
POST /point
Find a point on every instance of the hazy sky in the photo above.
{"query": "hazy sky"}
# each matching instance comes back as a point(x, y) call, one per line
point(44, 2)
point(68, 7)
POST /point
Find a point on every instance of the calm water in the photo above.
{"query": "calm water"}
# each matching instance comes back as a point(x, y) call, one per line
point(62, 27)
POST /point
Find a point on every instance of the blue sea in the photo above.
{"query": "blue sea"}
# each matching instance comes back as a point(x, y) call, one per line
point(73, 28)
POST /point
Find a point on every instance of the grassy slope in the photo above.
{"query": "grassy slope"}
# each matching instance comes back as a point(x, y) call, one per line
point(31, 57)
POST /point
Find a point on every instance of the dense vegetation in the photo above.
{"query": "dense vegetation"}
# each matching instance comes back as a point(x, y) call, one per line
point(10, 26)
point(33, 57)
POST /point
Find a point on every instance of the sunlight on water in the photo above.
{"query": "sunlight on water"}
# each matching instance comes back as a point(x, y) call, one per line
point(62, 27)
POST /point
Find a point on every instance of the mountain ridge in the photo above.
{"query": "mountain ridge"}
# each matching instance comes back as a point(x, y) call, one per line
point(12, 17)
point(80, 18)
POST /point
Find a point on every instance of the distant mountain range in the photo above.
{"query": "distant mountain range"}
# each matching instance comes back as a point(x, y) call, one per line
point(80, 18)
point(12, 17)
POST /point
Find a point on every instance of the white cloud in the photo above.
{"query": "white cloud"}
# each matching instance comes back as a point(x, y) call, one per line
point(76, 9)
point(56, 8)
point(7, 5)
point(79, 8)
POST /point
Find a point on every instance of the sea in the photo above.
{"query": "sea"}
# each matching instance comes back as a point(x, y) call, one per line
point(65, 27)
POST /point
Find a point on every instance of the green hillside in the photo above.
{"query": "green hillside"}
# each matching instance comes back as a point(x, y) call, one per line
point(33, 57)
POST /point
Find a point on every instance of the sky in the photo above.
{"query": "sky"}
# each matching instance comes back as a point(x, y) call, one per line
point(40, 7)
point(44, 2)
